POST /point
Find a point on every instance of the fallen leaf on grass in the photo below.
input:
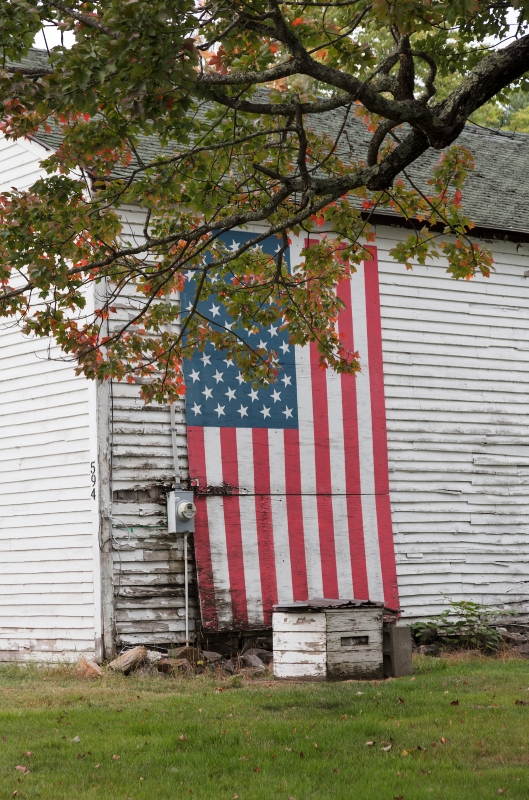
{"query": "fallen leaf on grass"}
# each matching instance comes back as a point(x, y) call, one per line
point(28, 754)
point(400, 797)
point(243, 758)
point(235, 797)
point(400, 699)
point(115, 758)
point(500, 791)
point(404, 753)
point(80, 755)
point(370, 744)
point(360, 693)
point(15, 794)
point(344, 716)
point(98, 765)
point(454, 703)
point(76, 739)
point(288, 749)
point(182, 738)
point(421, 748)
point(443, 740)
point(21, 768)
point(336, 770)
point(386, 749)
point(302, 754)
point(257, 769)
point(521, 703)
point(315, 744)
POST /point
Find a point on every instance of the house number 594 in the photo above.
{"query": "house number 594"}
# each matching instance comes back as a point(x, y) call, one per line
point(93, 479)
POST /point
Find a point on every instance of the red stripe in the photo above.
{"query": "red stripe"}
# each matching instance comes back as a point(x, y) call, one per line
point(294, 504)
point(380, 442)
point(264, 521)
point(197, 469)
point(232, 523)
point(322, 457)
point(352, 453)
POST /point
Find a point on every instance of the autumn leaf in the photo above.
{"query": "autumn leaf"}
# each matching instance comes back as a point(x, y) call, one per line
point(20, 768)
point(454, 703)
point(115, 758)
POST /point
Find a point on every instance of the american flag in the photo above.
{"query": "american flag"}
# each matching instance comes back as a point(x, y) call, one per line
point(292, 479)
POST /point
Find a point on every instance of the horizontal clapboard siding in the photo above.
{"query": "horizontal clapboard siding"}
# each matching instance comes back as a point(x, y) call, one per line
point(456, 363)
point(148, 579)
point(46, 532)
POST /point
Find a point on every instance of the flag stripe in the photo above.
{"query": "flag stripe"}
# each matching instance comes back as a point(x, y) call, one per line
point(208, 606)
point(232, 522)
point(351, 452)
point(322, 457)
point(338, 483)
point(217, 527)
point(283, 568)
point(263, 511)
point(250, 545)
point(365, 439)
point(379, 433)
point(294, 508)
point(308, 473)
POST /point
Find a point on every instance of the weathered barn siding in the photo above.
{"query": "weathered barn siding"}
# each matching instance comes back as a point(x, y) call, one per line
point(148, 565)
point(47, 554)
point(456, 362)
point(148, 562)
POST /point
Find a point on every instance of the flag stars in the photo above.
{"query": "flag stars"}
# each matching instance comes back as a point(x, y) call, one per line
point(230, 394)
point(208, 393)
point(220, 410)
point(243, 411)
point(253, 395)
point(265, 412)
point(196, 408)
point(218, 377)
point(190, 276)
point(262, 344)
point(214, 310)
point(287, 412)
point(239, 378)
point(287, 380)
point(276, 395)
point(228, 362)
point(195, 376)
point(205, 359)
point(284, 347)
point(272, 330)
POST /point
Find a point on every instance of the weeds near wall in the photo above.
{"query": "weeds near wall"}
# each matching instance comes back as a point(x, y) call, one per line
point(463, 624)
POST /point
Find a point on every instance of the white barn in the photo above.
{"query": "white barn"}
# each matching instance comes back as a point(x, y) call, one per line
point(86, 571)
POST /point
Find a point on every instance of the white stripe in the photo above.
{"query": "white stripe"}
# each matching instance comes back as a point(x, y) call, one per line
point(338, 485)
point(250, 549)
point(276, 449)
point(365, 437)
point(308, 472)
point(217, 529)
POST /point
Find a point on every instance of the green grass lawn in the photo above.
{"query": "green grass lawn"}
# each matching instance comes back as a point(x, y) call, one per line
point(455, 731)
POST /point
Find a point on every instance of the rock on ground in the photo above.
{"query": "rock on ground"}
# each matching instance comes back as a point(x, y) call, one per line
point(86, 668)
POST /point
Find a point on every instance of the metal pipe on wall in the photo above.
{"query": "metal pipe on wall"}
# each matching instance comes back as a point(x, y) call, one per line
point(176, 466)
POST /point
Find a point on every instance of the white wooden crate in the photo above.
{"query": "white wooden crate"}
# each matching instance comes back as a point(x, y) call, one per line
point(328, 640)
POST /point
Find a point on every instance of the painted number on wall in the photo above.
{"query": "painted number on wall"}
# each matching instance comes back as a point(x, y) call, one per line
point(93, 479)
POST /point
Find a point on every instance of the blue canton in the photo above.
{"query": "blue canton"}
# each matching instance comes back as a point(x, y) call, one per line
point(217, 395)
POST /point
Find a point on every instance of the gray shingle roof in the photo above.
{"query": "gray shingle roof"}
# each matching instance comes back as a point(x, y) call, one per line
point(496, 194)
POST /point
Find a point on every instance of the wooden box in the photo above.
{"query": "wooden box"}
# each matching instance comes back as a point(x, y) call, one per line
point(328, 640)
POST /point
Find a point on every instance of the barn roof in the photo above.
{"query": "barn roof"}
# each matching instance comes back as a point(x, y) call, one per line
point(496, 193)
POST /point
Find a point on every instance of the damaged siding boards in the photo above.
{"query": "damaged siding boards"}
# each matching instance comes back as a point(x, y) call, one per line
point(404, 486)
